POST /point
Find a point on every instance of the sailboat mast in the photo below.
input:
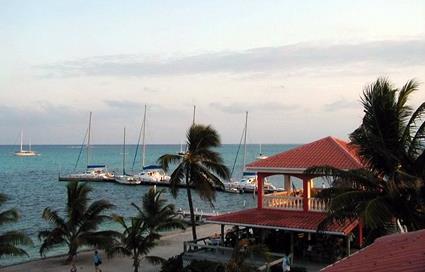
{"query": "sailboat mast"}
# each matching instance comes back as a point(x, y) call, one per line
point(29, 145)
point(143, 139)
point(88, 140)
point(244, 140)
point(123, 155)
point(194, 114)
point(22, 138)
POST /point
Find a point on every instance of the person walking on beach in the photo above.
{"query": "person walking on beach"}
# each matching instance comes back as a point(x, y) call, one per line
point(97, 261)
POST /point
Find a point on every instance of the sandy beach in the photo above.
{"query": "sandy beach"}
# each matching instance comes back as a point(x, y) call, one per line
point(171, 244)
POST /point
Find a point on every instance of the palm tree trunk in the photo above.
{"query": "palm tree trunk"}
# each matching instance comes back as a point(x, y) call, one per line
point(189, 199)
point(71, 253)
point(136, 263)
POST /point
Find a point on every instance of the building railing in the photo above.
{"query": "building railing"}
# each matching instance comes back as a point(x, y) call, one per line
point(317, 205)
point(294, 203)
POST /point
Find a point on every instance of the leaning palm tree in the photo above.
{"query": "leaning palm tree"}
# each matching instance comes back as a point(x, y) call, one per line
point(79, 226)
point(141, 233)
point(200, 167)
point(391, 144)
point(10, 240)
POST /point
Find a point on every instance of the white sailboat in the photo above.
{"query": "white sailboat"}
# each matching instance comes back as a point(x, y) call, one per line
point(248, 182)
point(94, 172)
point(261, 156)
point(150, 173)
point(125, 178)
point(25, 153)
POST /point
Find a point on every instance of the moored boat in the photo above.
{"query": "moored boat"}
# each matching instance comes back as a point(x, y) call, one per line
point(93, 172)
point(153, 174)
point(25, 153)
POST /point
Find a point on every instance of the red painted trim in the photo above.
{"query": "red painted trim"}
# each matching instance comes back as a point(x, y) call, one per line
point(260, 191)
point(306, 193)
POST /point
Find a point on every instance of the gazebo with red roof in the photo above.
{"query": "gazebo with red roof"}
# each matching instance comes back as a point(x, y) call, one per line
point(290, 210)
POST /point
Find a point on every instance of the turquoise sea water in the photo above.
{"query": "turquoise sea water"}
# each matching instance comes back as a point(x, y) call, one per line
point(32, 183)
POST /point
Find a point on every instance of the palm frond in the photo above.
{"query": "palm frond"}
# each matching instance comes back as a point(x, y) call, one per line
point(377, 212)
point(15, 238)
point(217, 167)
point(168, 159)
point(3, 198)
point(54, 218)
point(11, 250)
point(9, 216)
point(177, 178)
point(403, 96)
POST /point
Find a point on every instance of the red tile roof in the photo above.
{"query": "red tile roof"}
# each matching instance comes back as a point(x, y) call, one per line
point(397, 252)
point(327, 151)
point(281, 219)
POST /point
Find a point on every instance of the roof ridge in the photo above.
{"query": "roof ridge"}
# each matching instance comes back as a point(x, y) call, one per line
point(338, 142)
point(398, 234)
point(293, 149)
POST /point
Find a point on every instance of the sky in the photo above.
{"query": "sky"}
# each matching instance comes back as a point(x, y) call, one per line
point(297, 67)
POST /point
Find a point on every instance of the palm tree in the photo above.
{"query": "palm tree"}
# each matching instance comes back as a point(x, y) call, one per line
point(391, 144)
point(200, 167)
point(79, 226)
point(142, 232)
point(10, 240)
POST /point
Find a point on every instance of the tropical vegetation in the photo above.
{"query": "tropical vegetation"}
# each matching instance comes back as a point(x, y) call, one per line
point(390, 141)
point(79, 224)
point(141, 232)
point(11, 240)
point(200, 167)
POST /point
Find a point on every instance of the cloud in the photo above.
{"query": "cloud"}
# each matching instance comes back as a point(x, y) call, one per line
point(341, 104)
point(40, 114)
point(236, 108)
point(291, 58)
point(124, 104)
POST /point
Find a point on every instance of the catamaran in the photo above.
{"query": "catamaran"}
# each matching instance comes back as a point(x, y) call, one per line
point(93, 172)
point(150, 174)
point(248, 182)
point(25, 153)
